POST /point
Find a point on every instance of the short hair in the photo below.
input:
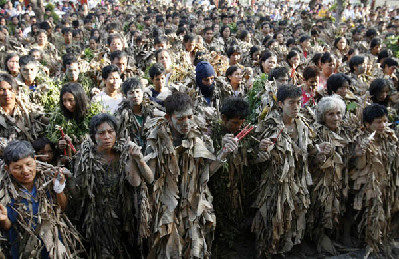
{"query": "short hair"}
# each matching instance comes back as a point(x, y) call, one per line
point(160, 51)
point(27, 59)
point(292, 54)
point(304, 38)
point(81, 101)
point(235, 107)
point(177, 102)
point(156, 70)
point(33, 51)
point(371, 33)
point(9, 79)
point(327, 104)
point(160, 39)
point(375, 42)
point(207, 29)
point(288, 91)
point(231, 71)
point(188, 37)
point(355, 61)
point(376, 86)
point(99, 119)
point(385, 53)
point(374, 111)
point(243, 34)
point(17, 150)
point(290, 41)
point(310, 72)
point(326, 58)
point(117, 54)
point(114, 36)
point(66, 30)
point(389, 62)
point(130, 84)
point(69, 59)
point(107, 70)
point(316, 58)
point(40, 144)
point(232, 49)
point(277, 72)
point(336, 81)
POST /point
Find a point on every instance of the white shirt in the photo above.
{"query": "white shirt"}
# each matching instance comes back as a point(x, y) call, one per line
point(109, 104)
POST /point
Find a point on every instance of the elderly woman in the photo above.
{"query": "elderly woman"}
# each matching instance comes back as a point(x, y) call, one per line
point(330, 173)
point(110, 192)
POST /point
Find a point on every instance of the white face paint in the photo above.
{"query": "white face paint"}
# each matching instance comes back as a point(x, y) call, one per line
point(29, 72)
point(182, 121)
point(135, 96)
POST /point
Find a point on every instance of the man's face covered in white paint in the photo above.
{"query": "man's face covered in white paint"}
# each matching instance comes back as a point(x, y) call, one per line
point(181, 121)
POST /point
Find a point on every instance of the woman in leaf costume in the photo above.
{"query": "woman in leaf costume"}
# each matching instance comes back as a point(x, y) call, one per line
point(283, 199)
point(73, 116)
point(330, 174)
point(32, 200)
point(375, 178)
point(110, 193)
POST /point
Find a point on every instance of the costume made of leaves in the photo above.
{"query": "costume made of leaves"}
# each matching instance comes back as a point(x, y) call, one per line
point(50, 57)
point(330, 176)
point(50, 228)
point(283, 197)
point(215, 45)
point(375, 187)
point(129, 125)
point(112, 214)
point(184, 220)
point(23, 124)
point(231, 187)
point(77, 131)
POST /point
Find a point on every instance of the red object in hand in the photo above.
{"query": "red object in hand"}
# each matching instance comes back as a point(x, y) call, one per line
point(69, 142)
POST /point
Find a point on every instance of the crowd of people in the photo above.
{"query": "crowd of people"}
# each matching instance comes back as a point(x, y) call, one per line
point(166, 130)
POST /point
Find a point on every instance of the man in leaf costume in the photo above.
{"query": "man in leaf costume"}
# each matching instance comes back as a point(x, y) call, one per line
point(182, 160)
point(283, 199)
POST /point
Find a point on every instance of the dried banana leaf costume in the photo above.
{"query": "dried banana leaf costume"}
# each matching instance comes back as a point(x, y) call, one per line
point(374, 185)
point(184, 220)
point(129, 125)
point(283, 198)
point(330, 177)
point(45, 232)
point(112, 214)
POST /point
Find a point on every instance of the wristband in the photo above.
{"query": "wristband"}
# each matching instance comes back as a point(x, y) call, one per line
point(58, 187)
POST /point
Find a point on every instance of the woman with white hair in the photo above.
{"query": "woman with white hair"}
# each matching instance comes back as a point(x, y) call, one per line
point(330, 173)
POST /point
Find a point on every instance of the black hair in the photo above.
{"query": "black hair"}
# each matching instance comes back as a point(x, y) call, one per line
point(40, 144)
point(288, 91)
point(99, 119)
point(235, 107)
point(326, 58)
point(131, 83)
point(66, 30)
point(253, 50)
point(375, 42)
point(188, 37)
point(277, 73)
point(290, 41)
point(309, 72)
point(374, 111)
point(8, 57)
point(117, 54)
point(243, 34)
point(44, 25)
point(292, 54)
point(69, 59)
point(114, 36)
point(355, 61)
point(177, 102)
point(317, 58)
point(337, 40)
point(9, 79)
point(376, 87)
point(336, 81)
point(199, 56)
point(385, 53)
point(156, 70)
point(207, 29)
point(33, 51)
point(232, 49)
point(265, 56)
point(389, 62)
point(231, 71)
point(370, 33)
point(304, 38)
point(81, 101)
point(25, 60)
point(107, 70)
point(17, 150)
point(224, 28)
